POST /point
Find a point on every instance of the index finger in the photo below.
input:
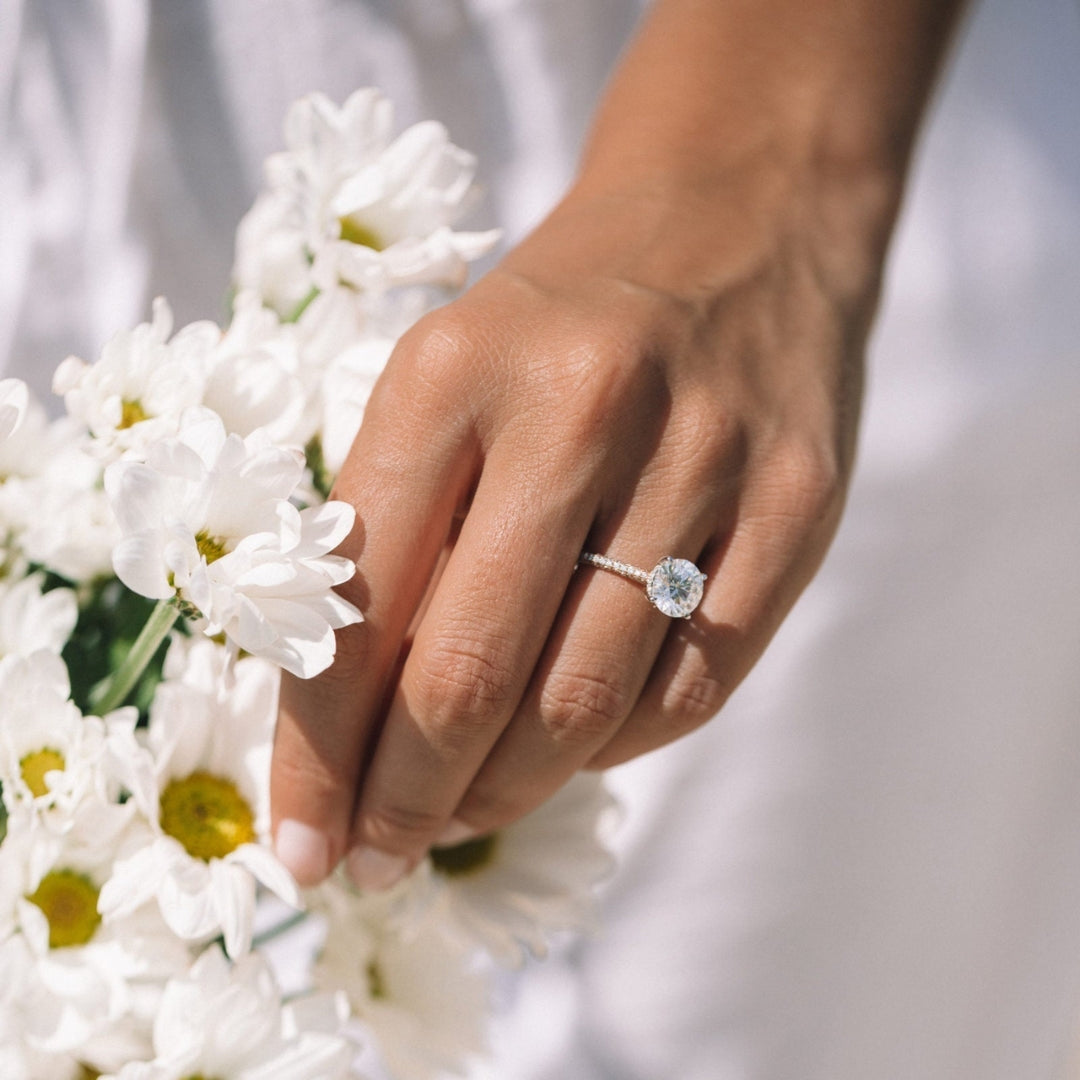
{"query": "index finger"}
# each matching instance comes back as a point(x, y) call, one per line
point(408, 471)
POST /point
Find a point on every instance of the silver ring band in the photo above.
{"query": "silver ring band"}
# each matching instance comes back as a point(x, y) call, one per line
point(673, 586)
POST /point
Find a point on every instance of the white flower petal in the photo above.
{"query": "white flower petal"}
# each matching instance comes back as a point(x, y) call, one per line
point(232, 894)
point(187, 900)
point(135, 880)
point(326, 526)
point(269, 871)
point(139, 495)
point(138, 563)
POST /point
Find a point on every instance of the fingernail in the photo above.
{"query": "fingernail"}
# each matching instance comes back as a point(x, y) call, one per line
point(374, 870)
point(304, 850)
point(456, 832)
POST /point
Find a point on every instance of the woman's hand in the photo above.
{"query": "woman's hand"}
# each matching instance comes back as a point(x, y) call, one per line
point(669, 365)
point(568, 402)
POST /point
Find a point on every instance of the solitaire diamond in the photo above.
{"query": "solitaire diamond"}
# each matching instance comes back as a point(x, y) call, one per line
point(675, 587)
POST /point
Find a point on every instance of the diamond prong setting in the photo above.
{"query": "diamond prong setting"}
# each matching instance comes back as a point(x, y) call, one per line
point(674, 586)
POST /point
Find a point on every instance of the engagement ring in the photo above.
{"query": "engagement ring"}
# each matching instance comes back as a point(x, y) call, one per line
point(673, 586)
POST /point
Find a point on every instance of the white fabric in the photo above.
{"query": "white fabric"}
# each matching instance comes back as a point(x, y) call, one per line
point(868, 866)
point(132, 132)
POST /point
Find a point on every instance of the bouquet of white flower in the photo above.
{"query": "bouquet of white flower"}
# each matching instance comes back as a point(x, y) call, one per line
point(167, 548)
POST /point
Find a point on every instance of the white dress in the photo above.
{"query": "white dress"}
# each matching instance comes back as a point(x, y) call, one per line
point(868, 867)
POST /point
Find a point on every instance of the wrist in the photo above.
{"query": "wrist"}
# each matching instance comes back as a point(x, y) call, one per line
point(751, 123)
point(696, 233)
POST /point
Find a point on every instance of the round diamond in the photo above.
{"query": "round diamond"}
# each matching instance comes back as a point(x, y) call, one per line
point(675, 587)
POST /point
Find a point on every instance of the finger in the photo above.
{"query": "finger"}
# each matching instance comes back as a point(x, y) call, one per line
point(470, 661)
point(404, 516)
point(599, 655)
point(783, 531)
point(313, 835)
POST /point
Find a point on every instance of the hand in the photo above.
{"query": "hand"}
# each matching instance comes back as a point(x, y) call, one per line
point(670, 364)
point(567, 402)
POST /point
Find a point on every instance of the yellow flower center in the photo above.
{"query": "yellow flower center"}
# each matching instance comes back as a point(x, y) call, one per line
point(69, 901)
point(34, 767)
point(86, 1073)
point(355, 232)
point(210, 547)
point(466, 858)
point(131, 413)
point(207, 815)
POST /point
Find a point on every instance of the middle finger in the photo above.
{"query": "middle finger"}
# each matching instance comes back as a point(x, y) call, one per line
point(470, 661)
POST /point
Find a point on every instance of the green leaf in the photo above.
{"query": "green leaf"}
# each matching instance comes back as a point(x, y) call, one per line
point(322, 479)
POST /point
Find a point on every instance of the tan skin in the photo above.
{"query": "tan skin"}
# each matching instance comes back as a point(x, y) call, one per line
point(670, 364)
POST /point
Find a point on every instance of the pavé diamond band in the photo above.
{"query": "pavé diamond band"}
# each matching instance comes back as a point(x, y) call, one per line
point(673, 586)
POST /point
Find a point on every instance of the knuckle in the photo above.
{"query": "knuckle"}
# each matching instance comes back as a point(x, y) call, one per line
point(581, 709)
point(457, 680)
point(353, 653)
point(813, 478)
point(689, 701)
point(597, 343)
point(603, 378)
point(316, 746)
point(395, 827)
point(429, 359)
point(693, 699)
point(488, 806)
point(321, 780)
point(609, 374)
point(441, 341)
point(804, 485)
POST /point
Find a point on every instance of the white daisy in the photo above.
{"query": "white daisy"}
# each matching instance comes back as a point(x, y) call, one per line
point(252, 377)
point(227, 1022)
point(15, 854)
point(419, 995)
point(72, 531)
point(85, 974)
point(32, 620)
point(509, 890)
point(272, 256)
point(19, 1059)
point(41, 464)
point(334, 320)
point(344, 391)
point(207, 800)
point(342, 351)
point(137, 390)
point(52, 758)
point(207, 519)
point(345, 204)
point(52, 511)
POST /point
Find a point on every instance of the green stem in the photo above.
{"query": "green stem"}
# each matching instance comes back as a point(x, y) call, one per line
point(112, 692)
point(290, 922)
